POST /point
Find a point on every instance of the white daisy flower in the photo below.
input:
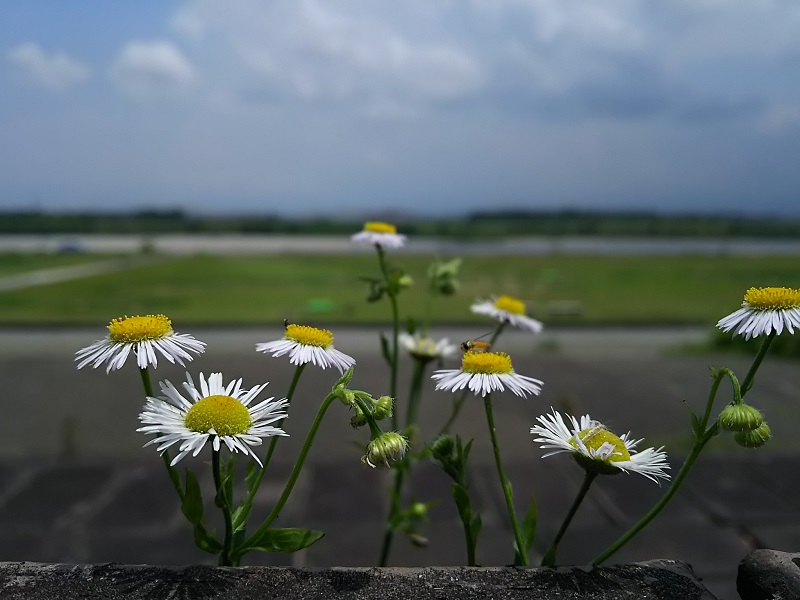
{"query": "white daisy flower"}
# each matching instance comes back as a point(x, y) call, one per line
point(379, 234)
point(596, 449)
point(507, 309)
point(484, 372)
point(306, 344)
point(215, 412)
point(426, 348)
point(147, 336)
point(764, 310)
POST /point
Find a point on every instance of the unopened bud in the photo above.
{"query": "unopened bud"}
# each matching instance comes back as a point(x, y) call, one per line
point(385, 449)
point(443, 445)
point(755, 438)
point(740, 417)
point(346, 396)
point(358, 419)
point(383, 408)
point(405, 281)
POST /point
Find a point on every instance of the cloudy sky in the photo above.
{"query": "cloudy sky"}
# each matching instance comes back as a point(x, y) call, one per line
point(432, 106)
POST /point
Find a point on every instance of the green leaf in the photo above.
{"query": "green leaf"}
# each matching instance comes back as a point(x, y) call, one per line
point(461, 497)
point(475, 528)
point(695, 422)
point(221, 498)
point(205, 541)
point(411, 325)
point(282, 540)
point(385, 348)
point(529, 525)
point(192, 503)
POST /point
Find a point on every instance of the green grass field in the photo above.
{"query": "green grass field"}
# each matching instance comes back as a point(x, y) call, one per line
point(223, 290)
point(16, 264)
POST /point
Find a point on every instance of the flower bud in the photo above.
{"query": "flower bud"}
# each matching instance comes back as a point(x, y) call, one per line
point(740, 417)
point(418, 510)
point(358, 419)
point(383, 408)
point(346, 396)
point(444, 445)
point(386, 449)
point(404, 282)
point(755, 438)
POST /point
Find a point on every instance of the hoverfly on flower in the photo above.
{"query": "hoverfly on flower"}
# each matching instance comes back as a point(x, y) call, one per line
point(476, 345)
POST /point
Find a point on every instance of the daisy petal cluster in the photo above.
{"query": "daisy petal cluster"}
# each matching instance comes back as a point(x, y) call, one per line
point(485, 372)
point(380, 234)
point(508, 309)
point(213, 412)
point(426, 348)
point(763, 311)
point(597, 449)
point(146, 336)
point(306, 344)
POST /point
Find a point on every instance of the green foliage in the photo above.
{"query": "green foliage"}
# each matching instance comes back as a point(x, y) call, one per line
point(494, 224)
point(281, 540)
point(238, 290)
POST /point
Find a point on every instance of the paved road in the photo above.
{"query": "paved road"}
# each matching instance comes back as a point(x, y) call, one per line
point(75, 484)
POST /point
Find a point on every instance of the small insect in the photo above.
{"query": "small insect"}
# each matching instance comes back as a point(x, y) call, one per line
point(286, 323)
point(476, 345)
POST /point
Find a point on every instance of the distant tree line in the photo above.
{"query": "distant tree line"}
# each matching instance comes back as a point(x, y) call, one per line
point(471, 226)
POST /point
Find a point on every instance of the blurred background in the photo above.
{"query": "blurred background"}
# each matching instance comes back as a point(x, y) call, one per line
point(627, 169)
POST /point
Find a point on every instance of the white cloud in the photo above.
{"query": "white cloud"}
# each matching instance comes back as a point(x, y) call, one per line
point(148, 69)
point(328, 53)
point(55, 72)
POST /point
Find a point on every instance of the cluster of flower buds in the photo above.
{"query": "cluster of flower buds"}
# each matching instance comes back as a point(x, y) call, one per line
point(746, 423)
point(380, 409)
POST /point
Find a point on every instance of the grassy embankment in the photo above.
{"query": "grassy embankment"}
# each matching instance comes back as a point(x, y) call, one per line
point(217, 290)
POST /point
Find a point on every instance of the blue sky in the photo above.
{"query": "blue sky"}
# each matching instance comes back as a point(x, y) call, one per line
point(352, 107)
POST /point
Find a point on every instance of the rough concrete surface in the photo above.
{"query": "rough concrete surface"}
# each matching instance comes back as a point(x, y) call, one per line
point(655, 580)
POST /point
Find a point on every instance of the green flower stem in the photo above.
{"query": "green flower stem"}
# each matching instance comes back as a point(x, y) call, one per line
point(504, 482)
point(392, 293)
point(394, 508)
point(174, 477)
point(400, 469)
point(471, 543)
point(248, 503)
point(273, 442)
point(459, 402)
point(550, 556)
point(298, 465)
point(498, 330)
point(415, 393)
point(762, 352)
point(702, 437)
point(224, 503)
point(148, 386)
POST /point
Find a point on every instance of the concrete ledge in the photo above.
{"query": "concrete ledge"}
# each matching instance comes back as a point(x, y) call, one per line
point(658, 579)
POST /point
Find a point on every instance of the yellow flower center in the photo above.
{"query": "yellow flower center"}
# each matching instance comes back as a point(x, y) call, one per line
point(510, 304)
point(378, 227)
point(226, 415)
point(486, 363)
point(309, 336)
point(129, 330)
point(772, 298)
point(594, 437)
